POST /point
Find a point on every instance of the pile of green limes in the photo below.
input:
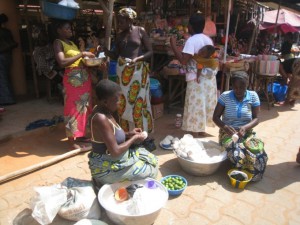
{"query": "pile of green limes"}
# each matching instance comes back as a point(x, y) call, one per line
point(173, 183)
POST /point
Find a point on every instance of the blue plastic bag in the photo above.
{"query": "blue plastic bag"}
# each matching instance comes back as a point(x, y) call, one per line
point(279, 91)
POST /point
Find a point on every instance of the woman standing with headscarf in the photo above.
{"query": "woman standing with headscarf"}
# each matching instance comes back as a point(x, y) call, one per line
point(133, 47)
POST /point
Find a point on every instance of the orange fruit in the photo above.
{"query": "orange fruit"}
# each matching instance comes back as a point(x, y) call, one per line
point(121, 194)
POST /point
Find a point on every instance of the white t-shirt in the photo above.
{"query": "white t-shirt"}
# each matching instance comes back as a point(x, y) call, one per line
point(192, 47)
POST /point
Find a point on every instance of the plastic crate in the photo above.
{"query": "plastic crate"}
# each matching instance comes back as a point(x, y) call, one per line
point(56, 11)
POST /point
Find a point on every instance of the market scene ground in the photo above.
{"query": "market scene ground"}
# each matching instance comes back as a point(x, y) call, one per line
point(206, 200)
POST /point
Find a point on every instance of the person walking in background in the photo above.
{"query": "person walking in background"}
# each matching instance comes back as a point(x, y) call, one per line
point(113, 157)
point(76, 82)
point(237, 114)
point(201, 95)
point(286, 47)
point(7, 44)
point(132, 49)
point(289, 69)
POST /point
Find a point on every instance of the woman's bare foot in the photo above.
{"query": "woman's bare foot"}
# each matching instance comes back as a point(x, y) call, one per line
point(74, 145)
point(83, 139)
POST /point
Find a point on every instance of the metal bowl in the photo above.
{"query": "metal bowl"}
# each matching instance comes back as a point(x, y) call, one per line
point(201, 168)
point(93, 61)
point(108, 190)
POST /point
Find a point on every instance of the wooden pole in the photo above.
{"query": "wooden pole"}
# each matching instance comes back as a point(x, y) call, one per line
point(41, 165)
point(227, 32)
point(276, 22)
point(109, 12)
point(254, 32)
point(35, 81)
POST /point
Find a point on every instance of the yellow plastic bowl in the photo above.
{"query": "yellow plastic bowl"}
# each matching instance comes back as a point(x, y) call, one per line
point(236, 183)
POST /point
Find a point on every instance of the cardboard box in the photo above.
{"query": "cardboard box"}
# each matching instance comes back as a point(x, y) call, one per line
point(157, 110)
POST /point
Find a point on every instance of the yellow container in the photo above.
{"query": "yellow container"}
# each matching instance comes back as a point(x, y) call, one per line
point(236, 183)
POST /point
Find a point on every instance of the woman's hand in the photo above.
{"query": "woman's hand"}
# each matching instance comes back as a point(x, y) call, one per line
point(139, 137)
point(229, 130)
point(88, 54)
point(133, 61)
point(242, 132)
point(137, 130)
point(133, 132)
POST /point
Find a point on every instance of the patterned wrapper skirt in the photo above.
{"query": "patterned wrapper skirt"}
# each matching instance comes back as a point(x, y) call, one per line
point(242, 158)
point(77, 100)
point(135, 164)
point(200, 102)
point(135, 107)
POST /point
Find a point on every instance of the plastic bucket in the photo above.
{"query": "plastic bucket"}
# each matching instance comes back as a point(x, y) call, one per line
point(155, 88)
point(236, 183)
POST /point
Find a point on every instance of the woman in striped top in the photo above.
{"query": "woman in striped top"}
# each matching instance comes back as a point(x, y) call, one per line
point(237, 113)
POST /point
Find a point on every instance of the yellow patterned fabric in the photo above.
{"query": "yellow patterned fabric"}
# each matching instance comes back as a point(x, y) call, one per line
point(71, 50)
point(206, 63)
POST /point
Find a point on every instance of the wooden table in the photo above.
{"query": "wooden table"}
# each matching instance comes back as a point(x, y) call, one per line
point(262, 83)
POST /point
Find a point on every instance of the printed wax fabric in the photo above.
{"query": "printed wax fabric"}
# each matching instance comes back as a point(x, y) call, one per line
point(78, 106)
point(134, 164)
point(77, 94)
point(241, 156)
point(200, 102)
point(135, 107)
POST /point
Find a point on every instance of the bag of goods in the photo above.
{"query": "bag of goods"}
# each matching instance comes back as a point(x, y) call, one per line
point(73, 199)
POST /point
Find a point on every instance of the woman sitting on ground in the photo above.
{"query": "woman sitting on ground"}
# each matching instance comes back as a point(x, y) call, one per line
point(112, 158)
point(290, 72)
point(239, 110)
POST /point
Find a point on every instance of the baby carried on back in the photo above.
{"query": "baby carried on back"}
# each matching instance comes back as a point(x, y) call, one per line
point(207, 64)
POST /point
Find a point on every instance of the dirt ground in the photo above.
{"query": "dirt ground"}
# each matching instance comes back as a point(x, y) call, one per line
point(207, 200)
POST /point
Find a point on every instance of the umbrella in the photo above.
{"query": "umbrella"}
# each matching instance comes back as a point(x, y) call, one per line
point(282, 28)
point(287, 21)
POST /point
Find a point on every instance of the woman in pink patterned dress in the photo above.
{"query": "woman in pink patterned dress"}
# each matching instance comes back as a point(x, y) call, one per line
point(76, 81)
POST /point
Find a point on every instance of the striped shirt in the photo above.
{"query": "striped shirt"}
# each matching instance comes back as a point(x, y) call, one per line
point(236, 113)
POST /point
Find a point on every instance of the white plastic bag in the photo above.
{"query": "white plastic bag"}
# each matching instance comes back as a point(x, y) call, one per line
point(73, 199)
point(47, 203)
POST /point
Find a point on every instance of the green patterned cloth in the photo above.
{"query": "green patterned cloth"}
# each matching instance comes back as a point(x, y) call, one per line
point(134, 164)
point(241, 157)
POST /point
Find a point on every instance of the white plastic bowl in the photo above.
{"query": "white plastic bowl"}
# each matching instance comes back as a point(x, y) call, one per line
point(108, 190)
point(202, 168)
